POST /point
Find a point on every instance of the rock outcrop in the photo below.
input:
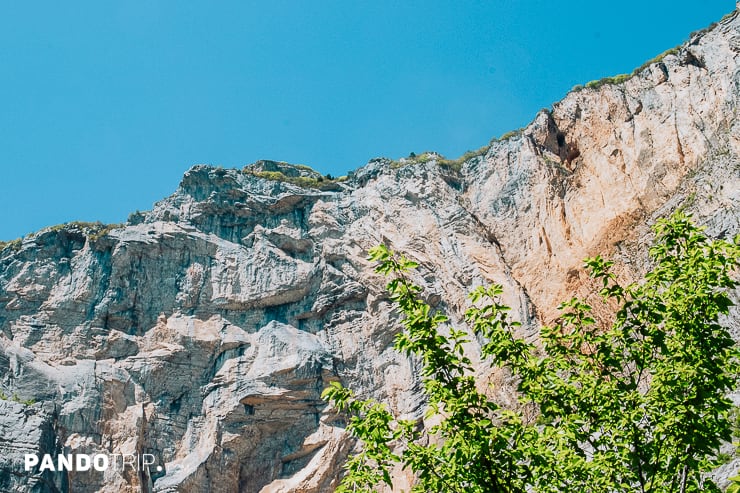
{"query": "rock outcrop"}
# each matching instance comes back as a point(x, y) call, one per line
point(202, 332)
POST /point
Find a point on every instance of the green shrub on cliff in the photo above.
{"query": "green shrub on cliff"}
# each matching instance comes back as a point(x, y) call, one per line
point(12, 244)
point(617, 79)
point(636, 405)
point(93, 230)
point(427, 156)
point(319, 182)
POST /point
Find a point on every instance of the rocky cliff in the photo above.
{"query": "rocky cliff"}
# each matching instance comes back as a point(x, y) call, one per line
point(202, 332)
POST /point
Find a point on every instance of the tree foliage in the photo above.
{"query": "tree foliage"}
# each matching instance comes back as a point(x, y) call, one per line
point(639, 405)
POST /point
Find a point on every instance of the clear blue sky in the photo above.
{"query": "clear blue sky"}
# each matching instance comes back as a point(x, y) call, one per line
point(104, 105)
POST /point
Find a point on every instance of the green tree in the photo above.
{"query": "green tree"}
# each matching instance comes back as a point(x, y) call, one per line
point(638, 405)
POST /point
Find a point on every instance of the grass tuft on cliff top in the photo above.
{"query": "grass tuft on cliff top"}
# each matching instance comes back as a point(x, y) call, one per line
point(428, 156)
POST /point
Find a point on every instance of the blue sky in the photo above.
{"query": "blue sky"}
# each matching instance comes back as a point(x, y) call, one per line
point(104, 105)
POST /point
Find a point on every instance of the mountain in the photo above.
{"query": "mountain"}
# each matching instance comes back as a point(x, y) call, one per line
point(201, 333)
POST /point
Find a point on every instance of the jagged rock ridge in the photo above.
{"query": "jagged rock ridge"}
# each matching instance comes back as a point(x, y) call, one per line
point(203, 331)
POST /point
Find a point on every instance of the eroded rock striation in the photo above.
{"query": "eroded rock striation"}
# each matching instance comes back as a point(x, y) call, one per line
point(203, 331)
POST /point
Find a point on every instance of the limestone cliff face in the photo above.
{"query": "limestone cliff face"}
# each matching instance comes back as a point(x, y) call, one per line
point(203, 332)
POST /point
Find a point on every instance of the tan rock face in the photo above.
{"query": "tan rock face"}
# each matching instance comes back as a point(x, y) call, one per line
point(203, 332)
point(637, 142)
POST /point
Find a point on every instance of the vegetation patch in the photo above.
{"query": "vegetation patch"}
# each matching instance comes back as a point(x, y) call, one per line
point(510, 134)
point(636, 402)
point(617, 79)
point(659, 58)
point(15, 398)
point(319, 182)
point(93, 230)
point(414, 158)
point(428, 156)
point(14, 245)
point(456, 164)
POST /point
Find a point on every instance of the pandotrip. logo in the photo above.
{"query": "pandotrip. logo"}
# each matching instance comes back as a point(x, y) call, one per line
point(91, 462)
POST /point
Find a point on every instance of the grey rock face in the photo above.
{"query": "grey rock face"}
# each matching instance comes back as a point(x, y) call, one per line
point(203, 332)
